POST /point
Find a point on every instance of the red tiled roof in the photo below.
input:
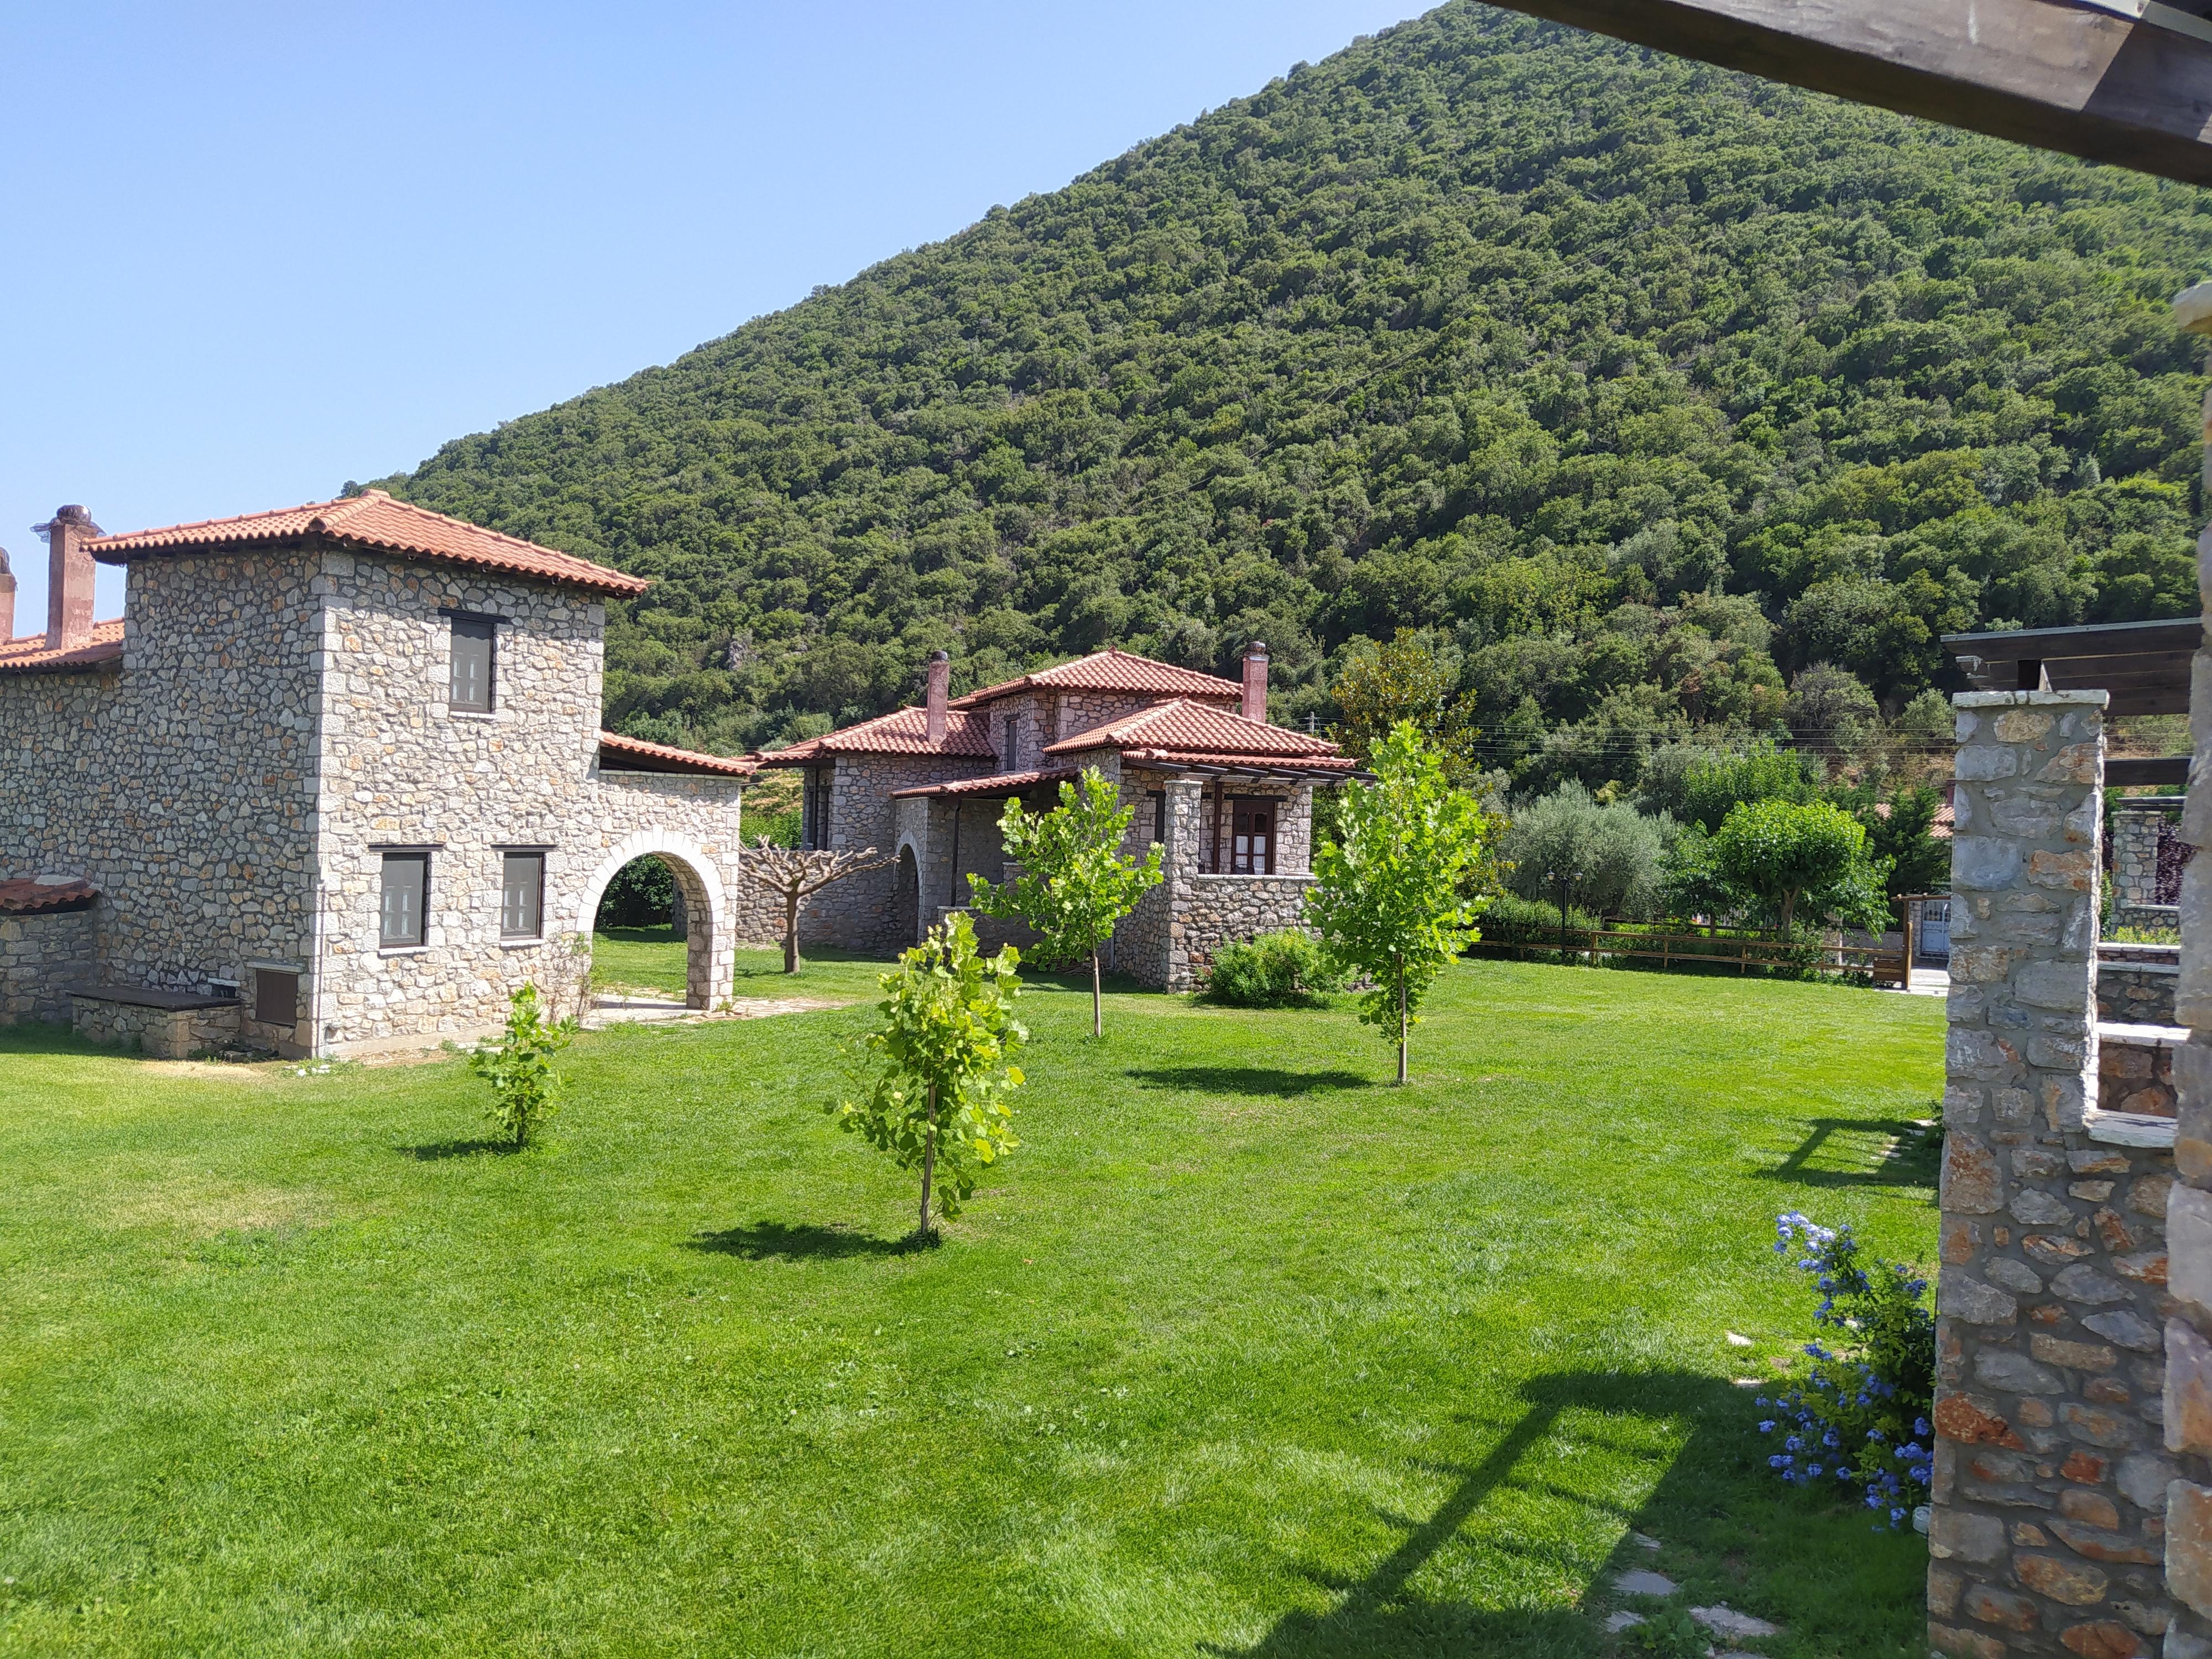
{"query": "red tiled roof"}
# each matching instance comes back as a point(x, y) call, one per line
point(1112, 671)
point(374, 520)
point(1332, 765)
point(38, 898)
point(1186, 725)
point(29, 654)
point(902, 731)
point(999, 783)
point(620, 754)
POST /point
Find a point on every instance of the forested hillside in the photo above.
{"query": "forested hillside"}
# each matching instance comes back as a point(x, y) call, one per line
point(1640, 387)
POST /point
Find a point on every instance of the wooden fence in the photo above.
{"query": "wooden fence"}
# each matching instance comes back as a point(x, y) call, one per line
point(1743, 952)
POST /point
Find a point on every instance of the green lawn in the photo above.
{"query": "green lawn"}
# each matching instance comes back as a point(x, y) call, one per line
point(651, 959)
point(1245, 1353)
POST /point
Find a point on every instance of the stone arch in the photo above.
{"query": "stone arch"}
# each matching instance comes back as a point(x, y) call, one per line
point(710, 965)
point(906, 896)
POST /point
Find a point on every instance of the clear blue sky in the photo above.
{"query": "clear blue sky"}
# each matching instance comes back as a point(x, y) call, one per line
point(248, 251)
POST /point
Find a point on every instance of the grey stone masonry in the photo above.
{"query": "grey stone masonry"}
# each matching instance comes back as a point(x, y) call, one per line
point(2188, 1414)
point(2049, 1472)
point(40, 957)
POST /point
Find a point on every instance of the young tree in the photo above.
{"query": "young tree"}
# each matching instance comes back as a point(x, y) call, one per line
point(940, 1104)
point(1075, 882)
point(1404, 681)
point(797, 877)
point(1777, 850)
point(519, 1065)
point(1388, 902)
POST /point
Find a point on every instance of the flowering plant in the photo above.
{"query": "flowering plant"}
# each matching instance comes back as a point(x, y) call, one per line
point(1860, 1414)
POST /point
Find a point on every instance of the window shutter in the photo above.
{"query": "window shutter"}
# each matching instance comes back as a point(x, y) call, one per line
point(471, 691)
point(276, 997)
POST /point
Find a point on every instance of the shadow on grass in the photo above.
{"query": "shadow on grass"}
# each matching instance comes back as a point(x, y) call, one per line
point(1382, 1615)
point(780, 1241)
point(434, 1152)
point(1247, 1079)
point(1912, 1158)
point(54, 1037)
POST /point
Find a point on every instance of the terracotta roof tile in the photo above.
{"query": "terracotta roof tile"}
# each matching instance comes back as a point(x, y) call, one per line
point(999, 783)
point(902, 731)
point(38, 898)
point(1183, 725)
point(1333, 765)
point(636, 754)
point(376, 521)
point(29, 654)
point(1112, 671)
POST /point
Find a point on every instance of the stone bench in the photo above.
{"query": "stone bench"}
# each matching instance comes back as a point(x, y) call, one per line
point(160, 1025)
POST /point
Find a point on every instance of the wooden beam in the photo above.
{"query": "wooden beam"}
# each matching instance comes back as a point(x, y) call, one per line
point(2075, 77)
point(2180, 634)
point(2123, 772)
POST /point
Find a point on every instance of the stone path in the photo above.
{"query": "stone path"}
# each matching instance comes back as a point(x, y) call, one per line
point(1719, 1620)
point(645, 1010)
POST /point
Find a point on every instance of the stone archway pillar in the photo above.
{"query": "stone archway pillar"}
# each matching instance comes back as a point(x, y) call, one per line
point(2187, 1405)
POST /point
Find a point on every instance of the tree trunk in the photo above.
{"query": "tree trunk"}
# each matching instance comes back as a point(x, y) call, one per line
point(1788, 909)
point(1402, 1021)
point(791, 932)
point(928, 1163)
point(1097, 1013)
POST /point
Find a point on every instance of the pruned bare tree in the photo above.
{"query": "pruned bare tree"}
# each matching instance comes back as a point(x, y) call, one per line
point(798, 876)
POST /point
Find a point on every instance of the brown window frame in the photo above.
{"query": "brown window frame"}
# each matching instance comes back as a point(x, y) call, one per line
point(507, 855)
point(464, 625)
point(1241, 806)
point(1159, 797)
point(397, 855)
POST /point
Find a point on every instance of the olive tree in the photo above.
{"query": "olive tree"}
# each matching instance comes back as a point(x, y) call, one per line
point(1075, 881)
point(1389, 900)
point(939, 1101)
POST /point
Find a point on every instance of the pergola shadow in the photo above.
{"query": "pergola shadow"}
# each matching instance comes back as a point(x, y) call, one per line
point(1912, 1157)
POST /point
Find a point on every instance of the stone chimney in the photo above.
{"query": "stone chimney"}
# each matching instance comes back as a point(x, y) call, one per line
point(940, 687)
point(68, 577)
point(7, 600)
point(1256, 680)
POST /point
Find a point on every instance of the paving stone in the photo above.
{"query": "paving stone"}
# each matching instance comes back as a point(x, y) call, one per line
point(1725, 1622)
point(1642, 1581)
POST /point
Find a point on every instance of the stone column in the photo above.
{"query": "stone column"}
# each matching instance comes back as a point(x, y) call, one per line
point(2188, 1405)
point(2048, 1487)
point(1186, 829)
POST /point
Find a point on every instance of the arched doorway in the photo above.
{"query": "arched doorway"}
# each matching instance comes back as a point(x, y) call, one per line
point(906, 905)
point(636, 895)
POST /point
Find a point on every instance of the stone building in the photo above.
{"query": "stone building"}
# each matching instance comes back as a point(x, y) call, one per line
point(1228, 796)
point(334, 781)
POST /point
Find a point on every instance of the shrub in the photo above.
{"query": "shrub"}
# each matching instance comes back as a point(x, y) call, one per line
point(1512, 920)
point(519, 1065)
point(641, 895)
point(1276, 970)
point(1612, 851)
point(1860, 1415)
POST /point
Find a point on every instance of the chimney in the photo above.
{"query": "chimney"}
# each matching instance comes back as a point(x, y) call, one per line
point(1256, 680)
point(68, 577)
point(7, 600)
point(940, 684)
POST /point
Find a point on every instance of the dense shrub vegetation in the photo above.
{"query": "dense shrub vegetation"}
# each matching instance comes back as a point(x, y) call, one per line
point(1275, 970)
point(1641, 388)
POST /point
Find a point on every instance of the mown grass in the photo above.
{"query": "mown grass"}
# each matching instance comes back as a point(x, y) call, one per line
point(1245, 1353)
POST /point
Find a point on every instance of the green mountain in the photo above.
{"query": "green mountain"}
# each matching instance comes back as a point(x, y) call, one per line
point(1640, 387)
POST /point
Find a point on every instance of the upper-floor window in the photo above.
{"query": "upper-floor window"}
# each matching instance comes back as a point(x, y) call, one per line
point(473, 641)
point(814, 810)
point(405, 899)
point(522, 895)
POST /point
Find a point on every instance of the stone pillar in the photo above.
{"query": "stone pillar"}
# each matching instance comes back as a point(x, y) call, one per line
point(2188, 1217)
point(1187, 829)
point(2048, 1485)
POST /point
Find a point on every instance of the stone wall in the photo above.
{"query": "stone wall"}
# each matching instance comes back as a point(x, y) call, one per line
point(862, 913)
point(399, 768)
point(1229, 909)
point(180, 782)
point(2136, 982)
point(158, 1033)
point(40, 957)
point(2048, 1478)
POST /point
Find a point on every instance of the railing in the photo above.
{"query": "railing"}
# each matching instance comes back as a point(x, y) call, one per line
point(1743, 952)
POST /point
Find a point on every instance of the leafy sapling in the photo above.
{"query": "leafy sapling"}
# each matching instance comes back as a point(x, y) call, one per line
point(939, 1103)
point(519, 1067)
point(1075, 882)
point(1389, 901)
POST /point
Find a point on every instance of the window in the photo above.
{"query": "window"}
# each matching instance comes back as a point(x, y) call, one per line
point(814, 829)
point(406, 896)
point(472, 664)
point(522, 895)
point(1252, 838)
point(1160, 816)
point(276, 997)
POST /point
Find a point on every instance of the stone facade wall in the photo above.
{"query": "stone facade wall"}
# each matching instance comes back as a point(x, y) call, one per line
point(862, 913)
point(1023, 724)
point(2135, 860)
point(2135, 1071)
point(2136, 982)
point(401, 768)
point(2048, 1482)
point(1228, 909)
point(40, 957)
point(182, 784)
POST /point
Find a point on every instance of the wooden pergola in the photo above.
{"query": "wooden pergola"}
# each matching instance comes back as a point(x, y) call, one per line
point(2143, 665)
point(2123, 82)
